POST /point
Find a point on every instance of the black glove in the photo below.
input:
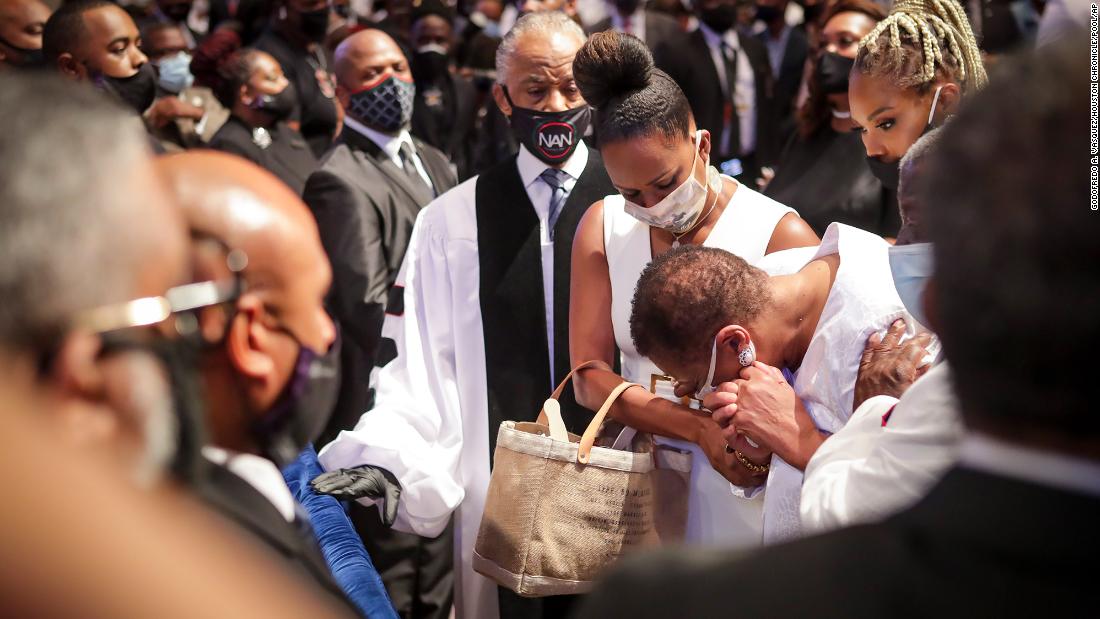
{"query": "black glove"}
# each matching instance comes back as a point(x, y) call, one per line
point(362, 482)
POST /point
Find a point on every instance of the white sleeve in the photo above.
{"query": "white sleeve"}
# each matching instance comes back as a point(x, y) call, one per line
point(415, 428)
point(827, 501)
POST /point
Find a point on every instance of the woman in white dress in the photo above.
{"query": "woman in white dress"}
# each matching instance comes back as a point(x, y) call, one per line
point(669, 196)
point(700, 305)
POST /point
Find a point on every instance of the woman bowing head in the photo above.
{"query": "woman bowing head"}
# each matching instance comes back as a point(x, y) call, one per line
point(668, 195)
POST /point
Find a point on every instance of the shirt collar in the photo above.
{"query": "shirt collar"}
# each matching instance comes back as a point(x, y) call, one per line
point(389, 144)
point(260, 473)
point(984, 453)
point(714, 39)
point(530, 167)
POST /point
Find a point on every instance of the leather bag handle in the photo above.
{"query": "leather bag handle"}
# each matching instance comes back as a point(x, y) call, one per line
point(550, 415)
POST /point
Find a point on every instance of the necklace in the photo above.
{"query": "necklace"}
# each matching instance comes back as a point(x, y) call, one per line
point(676, 237)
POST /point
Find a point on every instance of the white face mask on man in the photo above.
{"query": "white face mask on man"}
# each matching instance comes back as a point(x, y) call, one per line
point(681, 208)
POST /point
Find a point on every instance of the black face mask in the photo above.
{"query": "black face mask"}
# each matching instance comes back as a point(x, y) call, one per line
point(885, 172)
point(767, 13)
point(812, 12)
point(137, 91)
point(430, 66)
point(832, 73)
point(550, 136)
point(627, 7)
point(304, 408)
point(279, 105)
point(720, 18)
point(28, 58)
point(314, 24)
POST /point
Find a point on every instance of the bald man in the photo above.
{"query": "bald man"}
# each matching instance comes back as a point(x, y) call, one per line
point(266, 369)
point(366, 196)
point(21, 25)
point(480, 318)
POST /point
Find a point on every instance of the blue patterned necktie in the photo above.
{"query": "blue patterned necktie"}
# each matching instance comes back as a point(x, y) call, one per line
point(556, 180)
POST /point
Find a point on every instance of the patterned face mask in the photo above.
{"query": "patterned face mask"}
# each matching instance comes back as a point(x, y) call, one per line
point(386, 105)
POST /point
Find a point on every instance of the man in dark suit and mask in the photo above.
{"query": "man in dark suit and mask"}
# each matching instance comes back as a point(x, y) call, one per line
point(446, 103)
point(1011, 530)
point(727, 81)
point(365, 197)
point(268, 360)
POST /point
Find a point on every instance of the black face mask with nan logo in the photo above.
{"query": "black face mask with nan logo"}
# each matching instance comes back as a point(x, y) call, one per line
point(550, 136)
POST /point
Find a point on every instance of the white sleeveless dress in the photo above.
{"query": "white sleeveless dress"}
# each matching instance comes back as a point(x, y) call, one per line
point(718, 515)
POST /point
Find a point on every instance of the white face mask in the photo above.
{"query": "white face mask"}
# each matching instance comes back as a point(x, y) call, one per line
point(680, 209)
point(745, 358)
point(911, 266)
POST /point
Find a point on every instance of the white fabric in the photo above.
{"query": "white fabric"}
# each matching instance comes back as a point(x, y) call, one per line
point(716, 516)
point(391, 146)
point(260, 473)
point(429, 425)
point(540, 193)
point(637, 22)
point(862, 301)
point(872, 469)
point(982, 452)
point(744, 94)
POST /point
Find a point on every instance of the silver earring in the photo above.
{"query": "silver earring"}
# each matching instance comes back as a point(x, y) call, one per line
point(747, 355)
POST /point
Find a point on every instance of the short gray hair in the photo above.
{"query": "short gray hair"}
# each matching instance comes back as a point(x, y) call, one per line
point(67, 222)
point(543, 22)
point(918, 152)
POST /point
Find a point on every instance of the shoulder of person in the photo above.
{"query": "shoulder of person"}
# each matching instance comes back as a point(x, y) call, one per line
point(600, 26)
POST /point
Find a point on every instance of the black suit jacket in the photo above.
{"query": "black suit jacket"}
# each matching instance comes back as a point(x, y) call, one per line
point(692, 68)
point(365, 208)
point(978, 545)
point(662, 34)
point(455, 135)
point(787, 84)
point(236, 499)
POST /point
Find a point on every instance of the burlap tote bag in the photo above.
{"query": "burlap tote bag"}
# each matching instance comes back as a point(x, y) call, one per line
point(560, 509)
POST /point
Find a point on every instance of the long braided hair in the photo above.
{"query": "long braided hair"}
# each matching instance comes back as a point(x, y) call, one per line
point(920, 41)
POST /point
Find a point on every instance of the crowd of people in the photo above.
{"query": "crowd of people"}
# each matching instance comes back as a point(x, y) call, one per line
point(276, 271)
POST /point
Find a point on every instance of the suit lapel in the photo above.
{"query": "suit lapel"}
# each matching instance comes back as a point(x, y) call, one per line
point(420, 196)
point(435, 167)
point(710, 72)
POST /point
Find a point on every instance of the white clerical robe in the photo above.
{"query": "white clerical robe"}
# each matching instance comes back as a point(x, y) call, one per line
point(885, 458)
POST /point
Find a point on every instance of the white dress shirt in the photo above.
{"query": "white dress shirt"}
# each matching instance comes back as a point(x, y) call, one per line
point(260, 473)
point(776, 48)
point(744, 94)
point(530, 167)
point(636, 23)
point(391, 146)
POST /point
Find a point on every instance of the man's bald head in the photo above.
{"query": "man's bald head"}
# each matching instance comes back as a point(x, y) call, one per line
point(250, 210)
point(21, 24)
point(367, 58)
point(280, 312)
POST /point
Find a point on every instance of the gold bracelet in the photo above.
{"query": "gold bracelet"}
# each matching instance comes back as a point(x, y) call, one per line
point(749, 464)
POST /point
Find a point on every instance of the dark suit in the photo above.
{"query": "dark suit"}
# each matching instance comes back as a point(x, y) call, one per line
point(238, 501)
point(365, 208)
point(288, 156)
point(694, 70)
point(787, 84)
point(444, 116)
point(979, 545)
point(662, 34)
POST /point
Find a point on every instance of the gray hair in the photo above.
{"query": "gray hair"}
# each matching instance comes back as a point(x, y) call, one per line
point(917, 153)
point(68, 225)
point(543, 22)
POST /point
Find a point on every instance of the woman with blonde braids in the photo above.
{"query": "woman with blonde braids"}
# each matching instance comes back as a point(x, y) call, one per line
point(911, 71)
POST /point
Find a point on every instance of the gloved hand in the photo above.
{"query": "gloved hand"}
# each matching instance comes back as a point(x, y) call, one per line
point(362, 482)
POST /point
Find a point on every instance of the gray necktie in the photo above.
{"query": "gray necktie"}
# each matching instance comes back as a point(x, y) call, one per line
point(409, 165)
point(556, 180)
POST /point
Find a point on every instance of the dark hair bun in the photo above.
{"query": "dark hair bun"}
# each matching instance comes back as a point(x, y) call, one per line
point(611, 66)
